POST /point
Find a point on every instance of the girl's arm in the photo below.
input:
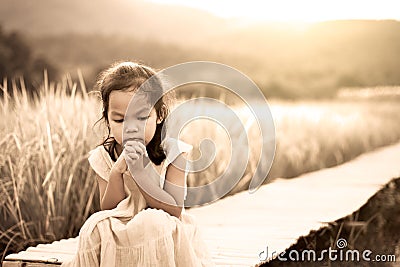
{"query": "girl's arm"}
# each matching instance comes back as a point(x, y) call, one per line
point(112, 192)
point(170, 199)
point(175, 179)
point(154, 202)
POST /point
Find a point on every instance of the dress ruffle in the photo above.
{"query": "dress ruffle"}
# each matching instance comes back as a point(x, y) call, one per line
point(151, 238)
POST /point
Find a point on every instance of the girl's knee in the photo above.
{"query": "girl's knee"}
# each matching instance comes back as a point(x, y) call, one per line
point(151, 215)
point(154, 219)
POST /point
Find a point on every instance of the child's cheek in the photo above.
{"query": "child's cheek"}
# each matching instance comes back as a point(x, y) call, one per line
point(117, 132)
point(150, 129)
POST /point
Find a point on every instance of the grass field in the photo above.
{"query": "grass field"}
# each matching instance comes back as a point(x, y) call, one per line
point(47, 188)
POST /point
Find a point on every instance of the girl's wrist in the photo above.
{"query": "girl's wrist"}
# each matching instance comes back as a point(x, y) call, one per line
point(119, 169)
point(116, 173)
point(120, 165)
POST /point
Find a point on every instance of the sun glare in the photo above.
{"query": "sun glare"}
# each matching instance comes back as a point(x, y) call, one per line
point(295, 11)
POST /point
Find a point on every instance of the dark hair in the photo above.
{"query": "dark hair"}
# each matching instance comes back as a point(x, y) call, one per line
point(130, 75)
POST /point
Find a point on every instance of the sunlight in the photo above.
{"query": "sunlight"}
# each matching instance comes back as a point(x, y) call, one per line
point(294, 11)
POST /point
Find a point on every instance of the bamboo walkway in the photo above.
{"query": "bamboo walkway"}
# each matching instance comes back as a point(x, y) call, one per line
point(239, 227)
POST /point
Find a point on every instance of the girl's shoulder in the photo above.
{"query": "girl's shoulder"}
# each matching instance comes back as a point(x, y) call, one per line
point(174, 147)
point(100, 161)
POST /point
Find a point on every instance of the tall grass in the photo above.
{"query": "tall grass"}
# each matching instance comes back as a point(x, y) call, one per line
point(310, 135)
point(47, 189)
point(315, 135)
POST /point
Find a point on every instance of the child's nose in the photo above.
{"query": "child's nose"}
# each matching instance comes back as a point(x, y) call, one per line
point(132, 129)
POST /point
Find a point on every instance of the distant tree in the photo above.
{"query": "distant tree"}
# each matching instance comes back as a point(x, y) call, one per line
point(17, 61)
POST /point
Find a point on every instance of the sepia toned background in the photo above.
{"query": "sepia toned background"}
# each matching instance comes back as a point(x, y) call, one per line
point(331, 74)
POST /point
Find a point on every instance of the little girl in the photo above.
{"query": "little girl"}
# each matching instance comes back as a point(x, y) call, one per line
point(137, 226)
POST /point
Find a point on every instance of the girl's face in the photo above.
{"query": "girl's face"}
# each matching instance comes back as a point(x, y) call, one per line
point(139, 123)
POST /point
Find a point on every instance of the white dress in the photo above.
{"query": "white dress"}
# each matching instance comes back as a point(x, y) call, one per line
point(131, 235)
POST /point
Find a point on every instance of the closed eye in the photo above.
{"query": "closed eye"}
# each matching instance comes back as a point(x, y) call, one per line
point(119, 121)
point(143, 118)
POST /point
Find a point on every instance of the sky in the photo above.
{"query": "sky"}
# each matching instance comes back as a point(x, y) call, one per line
point(295, 10)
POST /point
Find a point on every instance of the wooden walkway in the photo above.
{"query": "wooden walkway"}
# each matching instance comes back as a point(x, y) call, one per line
point(237, 228)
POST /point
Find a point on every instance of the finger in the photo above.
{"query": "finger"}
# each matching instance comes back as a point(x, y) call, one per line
point(139, 149)
point(134, 148)
point(143, 147)
point(129, 162)
point(130, 149)
point(133, 156)
point(137, 145)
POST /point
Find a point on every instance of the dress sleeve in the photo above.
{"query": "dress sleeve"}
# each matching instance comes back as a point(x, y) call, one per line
point(173, 148)
point(99, 162)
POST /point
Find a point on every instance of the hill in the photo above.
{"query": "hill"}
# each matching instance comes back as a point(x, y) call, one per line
point(285, 60)
point(142, 19)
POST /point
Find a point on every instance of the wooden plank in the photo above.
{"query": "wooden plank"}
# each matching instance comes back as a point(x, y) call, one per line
point(47, 257)
point(278, 213)
point(28, 264)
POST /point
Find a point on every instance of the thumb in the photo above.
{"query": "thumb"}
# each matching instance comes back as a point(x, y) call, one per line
point(121, 163)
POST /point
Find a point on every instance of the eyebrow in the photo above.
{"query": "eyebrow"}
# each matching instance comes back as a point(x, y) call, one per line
point(144, 109)
point(117, 113)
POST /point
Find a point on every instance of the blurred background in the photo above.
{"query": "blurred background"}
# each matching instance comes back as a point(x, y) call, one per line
point(329, 69)
point(290, 49)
